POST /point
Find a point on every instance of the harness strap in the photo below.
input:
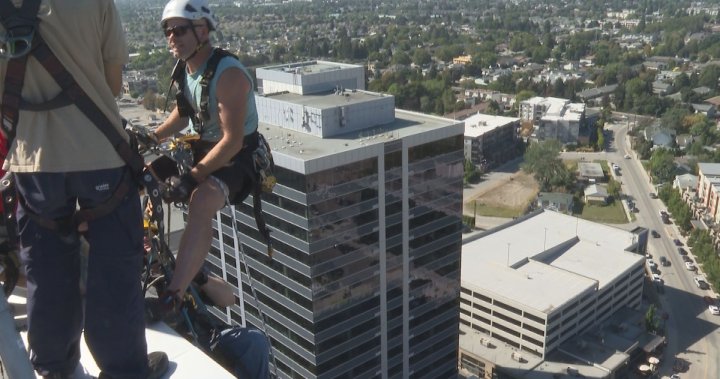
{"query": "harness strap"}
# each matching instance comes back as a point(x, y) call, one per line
point(183, 104)
point(25, 20)
point(67, 225)
point(9, 200)
point(87, 106)
point(207, 77)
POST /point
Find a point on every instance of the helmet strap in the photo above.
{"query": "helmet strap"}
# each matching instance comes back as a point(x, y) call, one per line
point(199, 47)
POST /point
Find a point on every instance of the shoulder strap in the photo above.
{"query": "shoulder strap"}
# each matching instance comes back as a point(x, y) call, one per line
point(70, 90)
point(208, 76)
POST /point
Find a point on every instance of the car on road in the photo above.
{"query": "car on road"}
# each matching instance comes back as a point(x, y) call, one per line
point(655, 233)
point(714, 309)
point(682, 251)
point(701, 283)
point(664, 261)
point(690, 266)
point(677, 242)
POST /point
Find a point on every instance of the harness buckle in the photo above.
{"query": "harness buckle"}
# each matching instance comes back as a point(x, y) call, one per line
point(17, 39)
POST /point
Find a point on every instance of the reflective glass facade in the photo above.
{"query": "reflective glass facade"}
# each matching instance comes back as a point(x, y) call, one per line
point(365, 278)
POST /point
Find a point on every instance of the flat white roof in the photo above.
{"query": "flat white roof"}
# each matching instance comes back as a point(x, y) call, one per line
point(546, 259)
point(186, 360)
point(709, 169)
point(480, 123)
point(535, 285)
point(557, 109)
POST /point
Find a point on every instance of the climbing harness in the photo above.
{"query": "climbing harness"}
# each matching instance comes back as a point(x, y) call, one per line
point(21, 40)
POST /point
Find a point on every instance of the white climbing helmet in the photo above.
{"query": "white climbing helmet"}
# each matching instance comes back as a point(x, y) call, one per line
point(190, 9)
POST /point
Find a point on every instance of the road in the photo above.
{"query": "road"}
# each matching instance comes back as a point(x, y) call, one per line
point(692, 331)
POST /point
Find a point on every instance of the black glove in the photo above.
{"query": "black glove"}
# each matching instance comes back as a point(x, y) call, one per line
point(180, 188)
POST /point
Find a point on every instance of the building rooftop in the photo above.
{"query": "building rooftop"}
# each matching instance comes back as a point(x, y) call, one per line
point(591, 170)
point(186, 360)
point(309, 67)
point(557, 109)
point(546, 258)
point(479, 124)
point(295, 150)
point(709, 169)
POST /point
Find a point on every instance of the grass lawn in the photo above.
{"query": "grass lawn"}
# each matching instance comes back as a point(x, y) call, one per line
point(497, 211)
point(611, 213)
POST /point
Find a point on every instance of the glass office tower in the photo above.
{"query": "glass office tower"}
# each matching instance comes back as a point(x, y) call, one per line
point(366, 226)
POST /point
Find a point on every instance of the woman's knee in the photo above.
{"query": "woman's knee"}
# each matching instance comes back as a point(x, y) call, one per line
point(207, 197)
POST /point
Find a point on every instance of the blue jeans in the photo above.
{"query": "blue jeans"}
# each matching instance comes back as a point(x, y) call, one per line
point(112, 310)
point(247, 349)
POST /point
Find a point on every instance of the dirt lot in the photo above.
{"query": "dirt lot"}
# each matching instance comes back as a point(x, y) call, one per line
point(512, 191)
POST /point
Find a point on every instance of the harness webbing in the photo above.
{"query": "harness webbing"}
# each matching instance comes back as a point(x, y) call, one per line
point(25, 20)
point(203, 115)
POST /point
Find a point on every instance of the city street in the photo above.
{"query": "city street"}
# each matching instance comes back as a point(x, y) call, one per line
point(692, 331)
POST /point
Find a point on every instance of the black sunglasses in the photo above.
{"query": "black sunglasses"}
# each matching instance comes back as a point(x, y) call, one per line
point(180, 30)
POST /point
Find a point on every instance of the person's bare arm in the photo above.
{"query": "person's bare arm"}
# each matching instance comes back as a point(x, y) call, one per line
point(173, 124)
point(113, 77)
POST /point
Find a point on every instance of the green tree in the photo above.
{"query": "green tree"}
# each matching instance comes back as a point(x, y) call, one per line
point(542, 159)
point(662, 166)
point(471, 172)
point(651, 322)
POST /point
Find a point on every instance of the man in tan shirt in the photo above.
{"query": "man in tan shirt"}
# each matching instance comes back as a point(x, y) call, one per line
point(61, 161)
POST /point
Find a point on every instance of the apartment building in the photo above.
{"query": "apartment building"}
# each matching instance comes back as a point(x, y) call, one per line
point(491, 140)
point(531, 285)
point(553, 118)
point(708, 190)
point(366, 225)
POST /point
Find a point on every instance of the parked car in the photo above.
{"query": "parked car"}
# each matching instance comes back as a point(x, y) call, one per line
point(677, 242)
point(664, 261)
point(714, 309)
point(682, 251)
point(709, 300)
point(653, 195)
point(627, 156)
point(701, 283)
point(685, 258)
point(654, 233)
point(690, 266)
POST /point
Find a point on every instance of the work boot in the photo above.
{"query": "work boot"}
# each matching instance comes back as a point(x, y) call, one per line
point(162, 307)
point(157, 365)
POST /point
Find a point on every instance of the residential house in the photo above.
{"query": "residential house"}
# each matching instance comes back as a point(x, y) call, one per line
point(590, 172)
point(684, 141)
point(594, 96)
point(556, 201)
point(708, 110)
point(661, 88)
point(596, 194)
point(659, 136)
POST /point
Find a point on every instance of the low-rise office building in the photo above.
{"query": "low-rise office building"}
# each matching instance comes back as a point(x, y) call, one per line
point(530, 285)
